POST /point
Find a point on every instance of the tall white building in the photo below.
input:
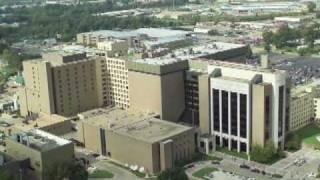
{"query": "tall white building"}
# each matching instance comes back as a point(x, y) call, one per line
point(247, 105)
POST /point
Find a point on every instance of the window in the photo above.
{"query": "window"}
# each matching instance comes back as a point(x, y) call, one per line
point(216, 112)
point(243, 115)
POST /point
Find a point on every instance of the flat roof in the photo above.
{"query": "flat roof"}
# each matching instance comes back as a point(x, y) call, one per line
point(245, 67)
point(140, 125)
point(57, 58)
point(302, 90)
point(152, 32)
point(43, 120)
point(191, 52)
point(76, 48)
point(39, 140)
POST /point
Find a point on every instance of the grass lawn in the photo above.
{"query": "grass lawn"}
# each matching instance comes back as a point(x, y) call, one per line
point(308, 134)
point(101, 174)
point(203, 172)
point(233, 153)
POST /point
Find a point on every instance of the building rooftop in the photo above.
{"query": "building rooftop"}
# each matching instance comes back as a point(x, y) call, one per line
point(39, 140)
point(135, 124)
point(75, 48)
point(191, 52)
point(302, 90)
point(43, 120)
point(151, 32)
point(240, 80)
point(245, 67)
point(60, 58)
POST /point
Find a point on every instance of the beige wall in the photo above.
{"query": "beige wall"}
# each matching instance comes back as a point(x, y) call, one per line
point(259, 129)
point(162, 94)
point(132, 151)
point(55, 157)
point(145, 91)
point(75, 87)
point(37, 95)
point(141, 153)
point(90, 136)
point(302, 109)
point(166, 156)
point(173, 98)
point(20, 152)
point(204, 99)
point(63, 89)
point(118, 87)
point(41, 161)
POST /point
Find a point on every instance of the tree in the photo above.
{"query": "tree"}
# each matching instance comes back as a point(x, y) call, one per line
point(286, 36)
point(72, 171)
point(267, 47)
point(177, 173)
point(293, 142)
point(5, 175)
point(303, 51)
point(265, 154)
point(311, 6)
point(13, 59)
point(267, 37)
point(78, 172)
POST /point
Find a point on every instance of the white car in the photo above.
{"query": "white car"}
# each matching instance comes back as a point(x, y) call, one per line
point(311, 175)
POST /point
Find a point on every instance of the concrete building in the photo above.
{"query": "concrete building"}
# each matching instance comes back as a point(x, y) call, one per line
point(114, 47)
point(15, 168)
point(53, 123)
point(158, 86)
point(303, 105)
point(148, 38)
point(61, 83)
point(242, 105)
point(154, 144)
point(257, 8)
point(44, 150)
point(117, 82)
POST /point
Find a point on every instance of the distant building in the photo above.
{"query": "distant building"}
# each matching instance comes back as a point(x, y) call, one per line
point(255, 8)
point(149, 38)
point(44, 150)
point(303, 105)
point(137, 139)
point(62, 2)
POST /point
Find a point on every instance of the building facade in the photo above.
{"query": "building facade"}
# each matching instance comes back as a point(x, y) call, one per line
point(303, 105)
point(63, 84)
point(247, 106)
point(155, 145)
point(44, 150)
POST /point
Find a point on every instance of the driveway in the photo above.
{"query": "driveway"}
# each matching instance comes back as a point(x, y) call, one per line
point(118, 172)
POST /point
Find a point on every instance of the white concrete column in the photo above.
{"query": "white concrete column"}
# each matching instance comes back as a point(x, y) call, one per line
point(248, 120)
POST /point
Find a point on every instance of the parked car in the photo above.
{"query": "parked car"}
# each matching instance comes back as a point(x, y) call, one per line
point(255, 170)
point(244, 166)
